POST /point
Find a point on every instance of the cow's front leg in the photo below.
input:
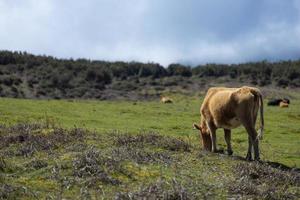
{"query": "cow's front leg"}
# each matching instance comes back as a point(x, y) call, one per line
point(227, 134)
point(214, 141)
point(212, 130)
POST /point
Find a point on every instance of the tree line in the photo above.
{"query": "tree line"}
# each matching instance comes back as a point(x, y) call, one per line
point(23, 74)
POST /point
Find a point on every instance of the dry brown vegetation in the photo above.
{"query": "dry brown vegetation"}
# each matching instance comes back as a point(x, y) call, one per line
point(78, 161)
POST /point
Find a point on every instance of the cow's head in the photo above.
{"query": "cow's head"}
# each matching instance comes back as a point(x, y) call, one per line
point(205, 136)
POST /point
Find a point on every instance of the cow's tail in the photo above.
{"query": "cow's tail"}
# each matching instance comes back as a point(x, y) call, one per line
point(261, 105)
point(256, 92)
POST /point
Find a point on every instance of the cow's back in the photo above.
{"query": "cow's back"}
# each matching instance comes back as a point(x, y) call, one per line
point(223, 106)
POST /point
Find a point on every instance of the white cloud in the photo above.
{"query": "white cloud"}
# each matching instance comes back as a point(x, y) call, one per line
point(151, 30)
point(24, 24)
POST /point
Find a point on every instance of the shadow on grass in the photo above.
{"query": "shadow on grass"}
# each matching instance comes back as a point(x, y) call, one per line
point(262, 180)
point(272, 164)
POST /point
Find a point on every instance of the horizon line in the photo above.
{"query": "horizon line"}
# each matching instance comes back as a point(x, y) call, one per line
point(184, 63)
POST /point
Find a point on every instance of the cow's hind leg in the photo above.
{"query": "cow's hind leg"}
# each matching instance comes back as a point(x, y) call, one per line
point(255, 147)
point(227, 135)
point(253, 141)
point(249, 153)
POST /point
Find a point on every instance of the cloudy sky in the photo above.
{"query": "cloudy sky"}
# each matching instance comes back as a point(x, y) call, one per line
point(165, 31)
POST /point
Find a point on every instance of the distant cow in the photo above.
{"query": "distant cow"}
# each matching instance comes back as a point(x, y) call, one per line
point(276, 102)
point(229, 108)
point(166, 100)
point(283, 104)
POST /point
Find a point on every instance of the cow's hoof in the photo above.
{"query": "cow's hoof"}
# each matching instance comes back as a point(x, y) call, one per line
point(221, 151)
point(249, 157)
point(229, 152)
point(218, 151)
point(257, 159)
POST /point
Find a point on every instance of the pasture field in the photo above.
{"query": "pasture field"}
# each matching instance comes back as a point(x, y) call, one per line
point(89, 149)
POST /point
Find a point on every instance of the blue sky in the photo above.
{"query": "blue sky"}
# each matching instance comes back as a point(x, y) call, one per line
point(164, 31)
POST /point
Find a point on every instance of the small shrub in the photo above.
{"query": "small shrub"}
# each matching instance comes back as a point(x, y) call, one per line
point(92, 164)
point(32, 138)
point(159, 190)
point(141, 156)
point(6, 80)
point(282, 82)
point(37, 164)
point(165, 142)
point(11, 192)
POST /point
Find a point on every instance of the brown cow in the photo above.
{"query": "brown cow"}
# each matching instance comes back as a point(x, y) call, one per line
point(283, 104)
point(166, 100)
point(229, 108)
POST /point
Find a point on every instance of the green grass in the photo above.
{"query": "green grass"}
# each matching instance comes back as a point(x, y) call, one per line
point(105, 115)
point(205, 174)
point(282, 130)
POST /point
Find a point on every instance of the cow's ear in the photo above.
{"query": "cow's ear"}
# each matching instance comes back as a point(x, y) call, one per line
point(196, 126)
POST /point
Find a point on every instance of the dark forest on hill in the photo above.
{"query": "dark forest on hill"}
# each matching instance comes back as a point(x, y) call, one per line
point(23, 75)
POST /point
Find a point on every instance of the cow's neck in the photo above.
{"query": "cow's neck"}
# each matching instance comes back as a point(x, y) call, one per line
point(203, 125)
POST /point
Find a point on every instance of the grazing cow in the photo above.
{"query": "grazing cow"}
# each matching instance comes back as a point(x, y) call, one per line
point(283, 104)
point(166, 100)
point(229, 108)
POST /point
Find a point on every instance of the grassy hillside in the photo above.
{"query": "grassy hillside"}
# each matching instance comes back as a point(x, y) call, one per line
point(128, 150)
